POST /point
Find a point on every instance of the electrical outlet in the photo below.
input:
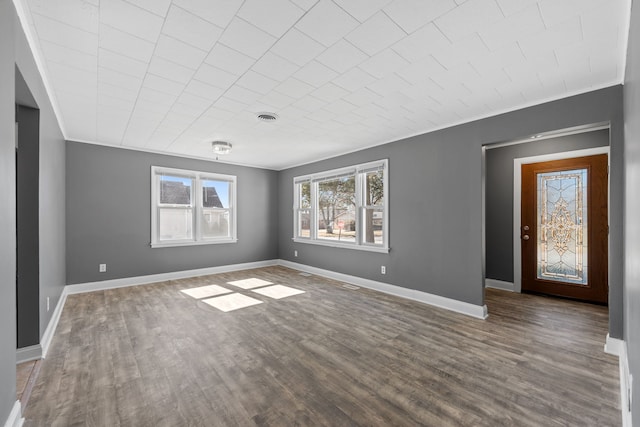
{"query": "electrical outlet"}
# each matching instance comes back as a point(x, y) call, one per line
point(47, 303)
point(383, 269)
point(295, 254)
point(103, 268)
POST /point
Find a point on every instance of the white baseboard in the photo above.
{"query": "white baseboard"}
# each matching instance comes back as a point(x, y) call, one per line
point(625, 385)
point(15, 416)
point(613, 346)
point(47, 336)
point(499, 284)
point(477, 311)
point(27, 354)
point(163, 277)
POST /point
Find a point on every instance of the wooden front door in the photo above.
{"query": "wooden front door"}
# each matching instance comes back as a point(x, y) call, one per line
point(564, 228)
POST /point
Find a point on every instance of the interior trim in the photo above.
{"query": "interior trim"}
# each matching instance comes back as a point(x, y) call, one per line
point(27, 354)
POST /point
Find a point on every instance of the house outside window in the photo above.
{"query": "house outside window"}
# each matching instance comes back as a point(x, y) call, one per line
point(344, 207)
point(192, 207)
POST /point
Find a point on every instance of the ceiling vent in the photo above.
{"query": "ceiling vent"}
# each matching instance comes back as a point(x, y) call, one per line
point(268, 117)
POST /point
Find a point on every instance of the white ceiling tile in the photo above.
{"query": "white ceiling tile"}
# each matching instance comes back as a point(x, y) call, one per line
point(191, 29)
point(246, 38)
point(176, 121)
point(179, 52)
point(187, 110)
point(66, 35)
point(110, 102)
point(117, 92)
point(125, 44)
point(170, 70)
point(117, 78)
point(215, 76)
point(361, 97)
point(329, 93)
point(309, 103)
point(567, 33)
point(114, 61)
point(163, 85)
point(230, 105)
point(354, 79)
point(277, 100)
point(362, 9)
point(388, 85)
point(57, 53)
point(418, 45)
point(468, 18)
point(421, 70)
point(326, 23)
point(557, 12)
point(67, 76)
point(527, 22)
point(342, 56)
point(241, 94)
point(462, 51)
point(77, 13)
point(413, 14)
point(229, 60)
point(196, 87)
point(131, 19)
point(275, 17)
point(149, 108)
point(294, 88)
point(324, 115)
point(384, 63)
point(159, 7)
point(376, 34)
point(297, 47)
point(496, 60)
point(257, 82)
point(340, 107)
point(221, 14)
point(215, 113)
point(305, 4)
point(275, 67)
point(157, 97)
point(316, 74)
point(509, 7)
point(528, 69)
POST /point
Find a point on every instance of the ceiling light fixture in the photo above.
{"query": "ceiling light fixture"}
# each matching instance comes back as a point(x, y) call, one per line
point(221, 147)
point(268, 117)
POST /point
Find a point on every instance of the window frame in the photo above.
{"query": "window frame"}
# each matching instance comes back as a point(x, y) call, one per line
point(360, 171)
point(196, 206)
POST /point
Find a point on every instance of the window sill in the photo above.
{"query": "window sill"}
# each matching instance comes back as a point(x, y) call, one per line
point(190, 243)
point(365, 248)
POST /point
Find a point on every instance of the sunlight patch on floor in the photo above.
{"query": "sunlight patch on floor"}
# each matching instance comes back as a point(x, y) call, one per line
point(231, 302)
point(278, 291)
point(250, 283)
point(205, 291)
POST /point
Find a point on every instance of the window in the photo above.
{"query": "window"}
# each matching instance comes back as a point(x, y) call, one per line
point(344, 207)
point(191, 208)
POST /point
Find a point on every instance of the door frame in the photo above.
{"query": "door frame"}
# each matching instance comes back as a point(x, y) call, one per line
point(517, 199)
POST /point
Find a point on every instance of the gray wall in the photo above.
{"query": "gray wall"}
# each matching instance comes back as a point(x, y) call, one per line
point(109, 215)
point(632, 226)
point(435, 201)
point(51, 182)
point(7, 214)
point(27, 198)
point(499, 193)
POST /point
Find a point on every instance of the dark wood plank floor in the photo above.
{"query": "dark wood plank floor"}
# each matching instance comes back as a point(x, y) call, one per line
point(153, 356)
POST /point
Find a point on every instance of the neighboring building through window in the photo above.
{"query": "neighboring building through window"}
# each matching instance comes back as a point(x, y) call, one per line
point(191, 207)
point(343, 207)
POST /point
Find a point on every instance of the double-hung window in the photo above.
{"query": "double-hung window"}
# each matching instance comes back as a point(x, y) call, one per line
point(344, 207)
point(191, 207)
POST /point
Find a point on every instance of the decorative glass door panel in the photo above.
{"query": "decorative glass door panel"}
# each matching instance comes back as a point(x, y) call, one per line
point(562, 226)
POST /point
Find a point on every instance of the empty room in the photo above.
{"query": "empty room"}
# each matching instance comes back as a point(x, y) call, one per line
point(319, 212)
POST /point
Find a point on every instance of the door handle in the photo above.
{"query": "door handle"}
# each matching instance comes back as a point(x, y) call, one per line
point(525, 237)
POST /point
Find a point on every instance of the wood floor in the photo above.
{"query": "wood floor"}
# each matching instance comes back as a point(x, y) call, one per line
point(154, 356)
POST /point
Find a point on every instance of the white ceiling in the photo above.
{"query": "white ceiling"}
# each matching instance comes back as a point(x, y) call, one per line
point(173, 75)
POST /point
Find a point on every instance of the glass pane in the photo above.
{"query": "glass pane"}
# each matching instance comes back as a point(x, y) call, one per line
point(215, 223)
point(374, 192)
point(176, 224)
point(562, 226)
point(305, 195)
point(304, 223)
point(215, 194)
point(336, 209)
point(175, 190)
point(372, 225)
